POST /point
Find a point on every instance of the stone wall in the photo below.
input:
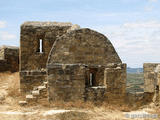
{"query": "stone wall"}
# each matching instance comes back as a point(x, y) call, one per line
point(1, 53)
point(149, 77)
point(31, 79)
point(12, 57)
point(81, 64)
point(152, 81)
point(9, 59)
point(31, 33)
point(115, 80)
point(3, 66)
point(66, 82)
point(92, 51)
point(139, 98)
point(31, 57)
point(96, 94)
point(70, 82)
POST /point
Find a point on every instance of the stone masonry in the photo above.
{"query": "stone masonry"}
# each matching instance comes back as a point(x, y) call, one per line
point(83, 65)
point(149, 77)
point(76, 64)
point(32, 60)
point(83, 46)
point(151, 86)
point(152, 80)
point(9, 59)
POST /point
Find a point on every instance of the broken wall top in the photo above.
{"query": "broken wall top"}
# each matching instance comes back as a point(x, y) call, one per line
point(42, 24)
point(36, 26)
point(9, 47)
point(8, 50)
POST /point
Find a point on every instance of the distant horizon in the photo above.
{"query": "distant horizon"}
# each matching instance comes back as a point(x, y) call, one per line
point(132, 26)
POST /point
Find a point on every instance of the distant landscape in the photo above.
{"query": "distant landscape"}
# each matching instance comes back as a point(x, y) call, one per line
point(134, 70)
point(135, 81)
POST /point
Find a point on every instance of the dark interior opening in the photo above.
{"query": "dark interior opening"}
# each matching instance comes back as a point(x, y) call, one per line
point(157, 87)
point(91, 77)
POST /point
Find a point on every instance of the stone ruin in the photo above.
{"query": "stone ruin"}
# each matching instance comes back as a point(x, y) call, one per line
point(151, 93)
point(63, 62)
point(9, 59)
point(152, 81)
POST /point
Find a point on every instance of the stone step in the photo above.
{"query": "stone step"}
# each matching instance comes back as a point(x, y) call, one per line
point(45, 83)
point(35, 92)
point(41, 87)
point(30, 98)
point(22, 103)
point(35, 88)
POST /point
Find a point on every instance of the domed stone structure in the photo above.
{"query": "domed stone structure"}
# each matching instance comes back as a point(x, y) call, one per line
point(78, 63)
point(83, 46)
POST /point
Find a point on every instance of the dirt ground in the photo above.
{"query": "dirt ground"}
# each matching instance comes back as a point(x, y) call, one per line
point(10, 110)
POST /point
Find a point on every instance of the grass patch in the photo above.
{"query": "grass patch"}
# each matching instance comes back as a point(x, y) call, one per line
point(133, 78)
point(135, 82)
point(11, 82)
point(14, 85)
point(70, 105)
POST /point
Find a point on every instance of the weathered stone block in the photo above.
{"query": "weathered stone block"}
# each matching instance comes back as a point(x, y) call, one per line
point(9, 59)
point(63, 88)
point(115, 80)
point(149, 77)
point(31, 79)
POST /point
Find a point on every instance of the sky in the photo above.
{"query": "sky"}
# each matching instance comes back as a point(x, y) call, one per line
point(133, 26)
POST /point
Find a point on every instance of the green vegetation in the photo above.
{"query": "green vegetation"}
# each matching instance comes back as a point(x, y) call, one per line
point(135, 82)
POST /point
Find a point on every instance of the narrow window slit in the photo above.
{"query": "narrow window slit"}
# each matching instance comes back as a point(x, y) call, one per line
point(40, 46)
point(91, 79)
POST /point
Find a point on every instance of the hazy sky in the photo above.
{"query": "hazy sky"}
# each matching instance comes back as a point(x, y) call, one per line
point(133, 26)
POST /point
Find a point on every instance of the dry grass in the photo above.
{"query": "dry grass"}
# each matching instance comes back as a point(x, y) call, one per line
point(89, 106)
point(118, 107)
point(69, 105)
point(73, 115)
point(13, 85)
point(4, 76)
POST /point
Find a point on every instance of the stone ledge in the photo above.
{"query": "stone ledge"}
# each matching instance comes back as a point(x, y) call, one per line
point(32, 73)
point(110, 65)
point(42, 24)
